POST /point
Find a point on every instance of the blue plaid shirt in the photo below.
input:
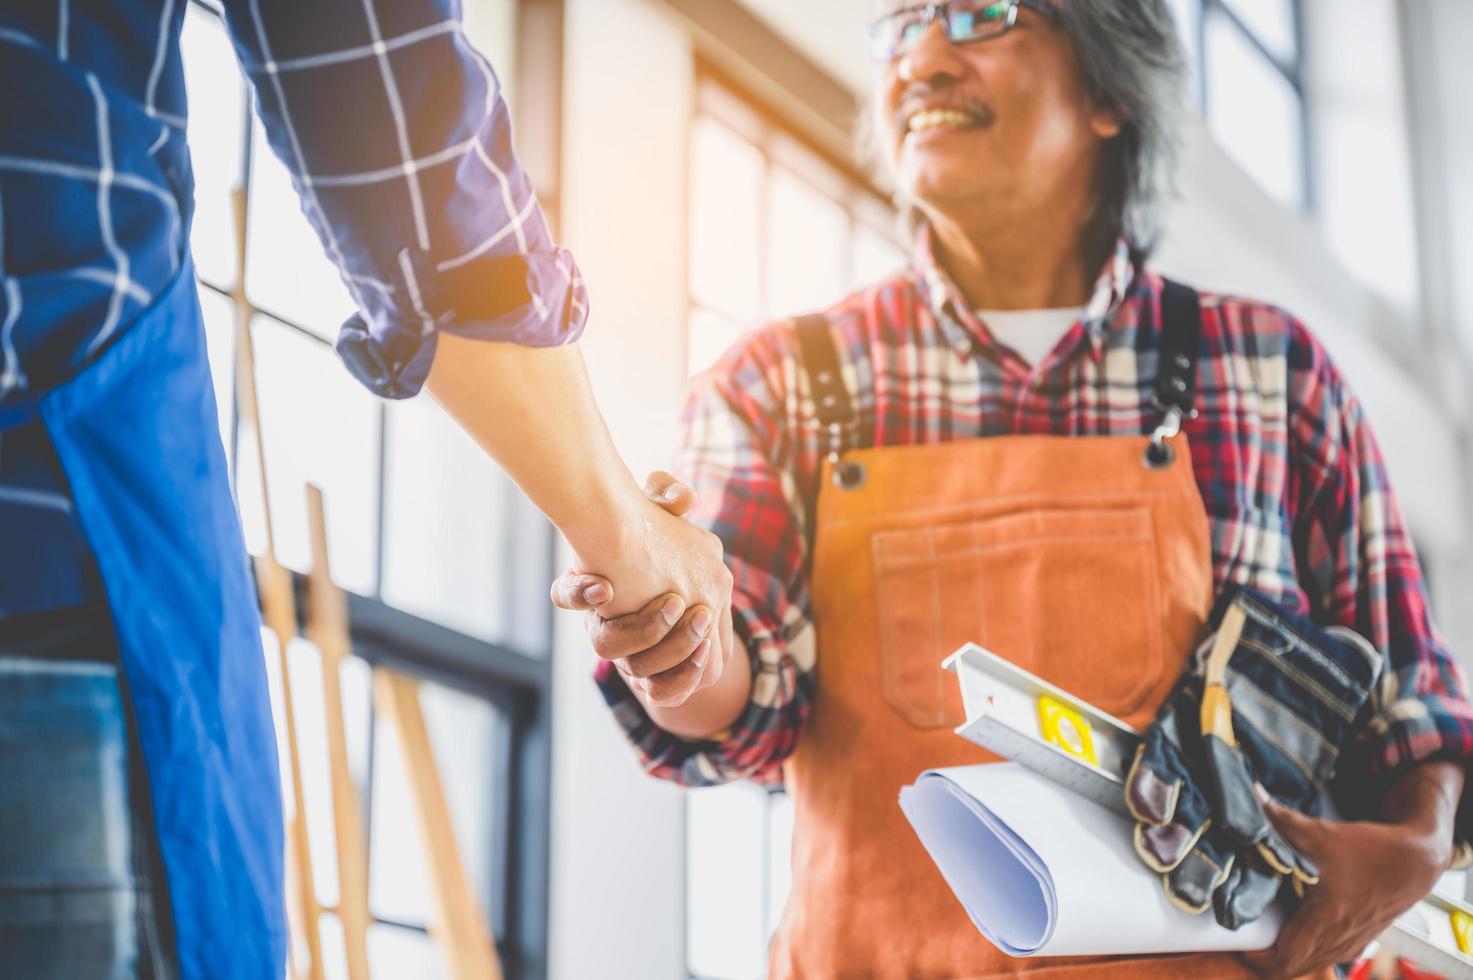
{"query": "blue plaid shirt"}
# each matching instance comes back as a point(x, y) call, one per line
point(398, 143)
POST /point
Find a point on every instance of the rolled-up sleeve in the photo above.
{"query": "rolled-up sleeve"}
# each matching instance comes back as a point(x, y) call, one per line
point(732, 453)
point(1360, 561)
point(399, 145)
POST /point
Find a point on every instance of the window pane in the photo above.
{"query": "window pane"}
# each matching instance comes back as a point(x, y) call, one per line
point(806, 247)
point(220, 343)
point(394, 952)
point(1254, 112)
point(725, 935)
point(491, 27)
point(216, 134)
point(710, 335)
point(445, 534)
point(875, 257)
point(310, 713)
point(464, 732)
point(357, 683)
point(334, 947)
point(1271, 21)
point(319, 426)
point(467, 734)
point(278, 718)
point(726, 196)
point(288, 273)
point(398, 879)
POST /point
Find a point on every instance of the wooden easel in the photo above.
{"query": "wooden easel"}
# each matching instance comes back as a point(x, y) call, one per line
point(459, 924)
point(279, 612)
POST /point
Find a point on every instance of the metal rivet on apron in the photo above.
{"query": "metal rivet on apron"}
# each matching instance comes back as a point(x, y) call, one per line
point(1182, 362)
point(1159, 455)
point(850, 475)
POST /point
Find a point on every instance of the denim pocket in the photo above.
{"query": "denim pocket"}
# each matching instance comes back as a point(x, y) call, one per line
point(68, 895)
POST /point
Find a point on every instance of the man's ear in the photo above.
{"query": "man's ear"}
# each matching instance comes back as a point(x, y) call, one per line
point(1106, 123)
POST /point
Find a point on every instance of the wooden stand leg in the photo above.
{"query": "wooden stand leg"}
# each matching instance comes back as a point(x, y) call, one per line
point(327, 628)
point(460, 925)
point(278, 606)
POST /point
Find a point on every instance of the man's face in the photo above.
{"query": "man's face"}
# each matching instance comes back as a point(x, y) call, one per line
point(1002, 120)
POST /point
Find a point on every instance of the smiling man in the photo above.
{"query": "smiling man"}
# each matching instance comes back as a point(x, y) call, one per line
point(1030, 440)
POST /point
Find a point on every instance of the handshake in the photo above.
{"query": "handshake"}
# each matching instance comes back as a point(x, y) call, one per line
point(673, 650)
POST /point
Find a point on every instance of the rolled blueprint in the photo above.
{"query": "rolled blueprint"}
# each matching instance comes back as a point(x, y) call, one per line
point(1042, 870)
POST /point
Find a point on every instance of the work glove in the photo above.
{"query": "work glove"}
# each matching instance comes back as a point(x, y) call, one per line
point(1267, 701)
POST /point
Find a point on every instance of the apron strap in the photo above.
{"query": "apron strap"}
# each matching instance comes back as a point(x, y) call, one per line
point(831, 400)
point(1179, 347)
point(832, 405)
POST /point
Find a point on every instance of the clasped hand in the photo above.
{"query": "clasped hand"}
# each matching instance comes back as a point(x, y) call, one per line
point(678, 643)
point(1370, 873)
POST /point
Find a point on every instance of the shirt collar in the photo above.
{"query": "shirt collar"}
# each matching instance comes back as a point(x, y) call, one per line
point(965, 330)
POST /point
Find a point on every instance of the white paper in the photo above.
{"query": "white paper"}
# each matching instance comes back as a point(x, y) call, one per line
point(1042, 870)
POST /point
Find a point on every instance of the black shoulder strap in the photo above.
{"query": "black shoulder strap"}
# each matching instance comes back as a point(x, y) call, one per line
point(831, 402)
point(1179, 348)
point(831, 399)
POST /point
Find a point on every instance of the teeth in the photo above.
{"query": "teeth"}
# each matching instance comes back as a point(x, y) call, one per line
point(936, 118)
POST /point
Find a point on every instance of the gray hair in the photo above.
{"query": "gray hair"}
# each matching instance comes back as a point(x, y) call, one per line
point(1131, 62)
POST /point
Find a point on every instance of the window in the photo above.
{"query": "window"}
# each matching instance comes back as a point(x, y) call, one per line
point(1249, 80)
point(775, 230)
point(423, 532)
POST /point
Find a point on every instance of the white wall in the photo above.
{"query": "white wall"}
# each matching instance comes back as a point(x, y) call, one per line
point(617, 893)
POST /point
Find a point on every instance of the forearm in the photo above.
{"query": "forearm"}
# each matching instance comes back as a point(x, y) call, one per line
point(1425, 800)
point(711, 710)
point(532, 410)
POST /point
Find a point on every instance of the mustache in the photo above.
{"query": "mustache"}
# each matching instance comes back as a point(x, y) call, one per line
point(919, 97)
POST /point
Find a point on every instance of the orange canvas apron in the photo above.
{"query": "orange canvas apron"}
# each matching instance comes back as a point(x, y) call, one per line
point(1068, 556)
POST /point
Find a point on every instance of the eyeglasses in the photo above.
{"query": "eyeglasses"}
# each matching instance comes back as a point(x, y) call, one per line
point(964, 21)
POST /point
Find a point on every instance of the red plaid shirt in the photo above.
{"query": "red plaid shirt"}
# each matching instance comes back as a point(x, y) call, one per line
point(1293, 482)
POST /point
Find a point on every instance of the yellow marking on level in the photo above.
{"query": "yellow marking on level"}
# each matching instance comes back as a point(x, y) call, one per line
point(1463, 930)
point(1066, 728)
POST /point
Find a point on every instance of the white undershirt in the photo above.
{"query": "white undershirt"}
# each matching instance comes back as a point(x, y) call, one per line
point(1032, 333)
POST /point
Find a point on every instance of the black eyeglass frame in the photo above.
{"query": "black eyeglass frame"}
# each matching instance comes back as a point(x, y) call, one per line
point(930, 12)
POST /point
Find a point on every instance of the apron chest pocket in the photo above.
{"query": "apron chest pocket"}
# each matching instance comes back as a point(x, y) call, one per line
point(1072, 595)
